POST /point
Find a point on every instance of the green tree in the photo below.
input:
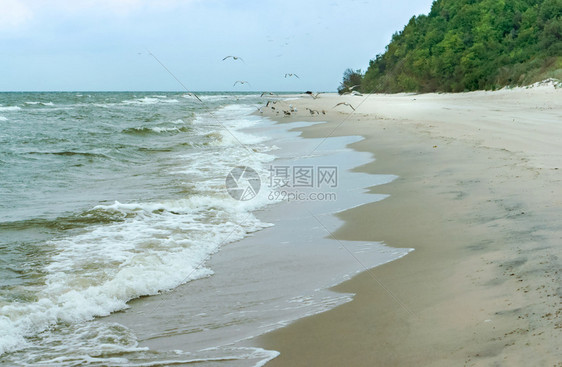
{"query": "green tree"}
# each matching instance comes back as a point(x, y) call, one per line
point(351, 81)
point(471, 44)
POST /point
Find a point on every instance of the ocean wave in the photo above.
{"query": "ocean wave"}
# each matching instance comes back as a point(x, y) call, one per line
point(2, 118)
point(211, 98)
point(122, 251)
point(165, 149)
point(10, 108)
point(102, 105)
point(100, 337)
point(39, 103)
point(155, 130)
point(227, 131)
point(157, 247)
point(148, 101)
point(72, 153)
point(86, 218)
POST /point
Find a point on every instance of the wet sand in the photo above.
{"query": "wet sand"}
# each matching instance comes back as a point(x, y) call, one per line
point(479, 198)
point(272, 277)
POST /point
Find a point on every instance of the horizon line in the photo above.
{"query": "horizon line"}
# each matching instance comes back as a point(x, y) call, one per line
point(157, 91)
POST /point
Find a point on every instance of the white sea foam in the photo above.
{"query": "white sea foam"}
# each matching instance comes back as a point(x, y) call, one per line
point(2, 118)
point(235, 148)
point(148, 101)
point(10, 108)
point(41, 103)
point(158, 129)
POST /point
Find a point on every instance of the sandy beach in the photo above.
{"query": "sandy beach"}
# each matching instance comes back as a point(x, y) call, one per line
point(479, 198)
point(182, 184)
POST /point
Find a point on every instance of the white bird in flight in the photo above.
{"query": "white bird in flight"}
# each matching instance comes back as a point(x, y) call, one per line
point(345, 104)
point(289, 75)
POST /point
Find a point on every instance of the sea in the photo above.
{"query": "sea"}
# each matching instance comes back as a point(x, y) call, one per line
point(109, 197)
point(106, 197)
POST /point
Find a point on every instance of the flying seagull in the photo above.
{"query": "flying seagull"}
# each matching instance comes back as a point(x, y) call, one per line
point(234, 58)
point(345, 104)
point(240, 82)
point(289, 75)
point(268, 93)
point(352, 93)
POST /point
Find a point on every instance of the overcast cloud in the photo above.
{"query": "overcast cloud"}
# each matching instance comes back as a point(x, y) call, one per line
point(101, 44)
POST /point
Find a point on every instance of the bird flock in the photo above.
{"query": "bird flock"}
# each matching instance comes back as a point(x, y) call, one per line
point(270, 104)
point(288, 112)
point(241, 82)
point(273, 106)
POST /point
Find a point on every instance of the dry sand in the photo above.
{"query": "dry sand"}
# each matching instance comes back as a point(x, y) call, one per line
point(479, 197)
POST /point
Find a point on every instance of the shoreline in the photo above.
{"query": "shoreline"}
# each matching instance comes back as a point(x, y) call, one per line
point(273, 276)
point(477, 197)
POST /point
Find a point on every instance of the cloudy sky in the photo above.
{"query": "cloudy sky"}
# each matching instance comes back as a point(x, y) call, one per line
point(54, 45)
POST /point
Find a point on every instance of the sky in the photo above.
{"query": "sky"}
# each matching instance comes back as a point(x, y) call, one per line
point(107, 45)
